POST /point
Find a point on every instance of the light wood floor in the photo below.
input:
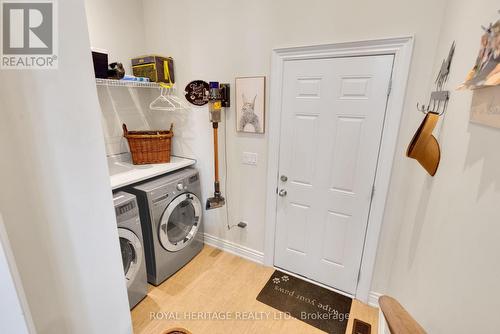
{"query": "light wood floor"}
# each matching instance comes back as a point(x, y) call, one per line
point(216, 281)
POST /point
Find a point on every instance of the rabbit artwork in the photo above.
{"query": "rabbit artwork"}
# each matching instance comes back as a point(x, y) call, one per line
point(248, 115)
point(250, 104)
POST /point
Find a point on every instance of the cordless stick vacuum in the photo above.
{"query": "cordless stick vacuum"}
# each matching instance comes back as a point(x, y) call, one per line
point(215, 110)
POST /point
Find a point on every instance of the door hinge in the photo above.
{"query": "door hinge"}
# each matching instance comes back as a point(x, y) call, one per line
point(389, 89)
point(373, 192)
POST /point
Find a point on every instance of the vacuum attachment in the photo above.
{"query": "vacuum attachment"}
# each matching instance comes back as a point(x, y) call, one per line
point(217, 201)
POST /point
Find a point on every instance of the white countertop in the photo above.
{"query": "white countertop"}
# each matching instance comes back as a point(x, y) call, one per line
point(122, 172)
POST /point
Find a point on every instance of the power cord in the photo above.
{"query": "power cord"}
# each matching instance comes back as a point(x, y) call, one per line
point(229, 227)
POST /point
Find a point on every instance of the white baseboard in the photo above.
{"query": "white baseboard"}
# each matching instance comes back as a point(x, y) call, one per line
point(234, 248)
point(258, 257)
point(373, 298)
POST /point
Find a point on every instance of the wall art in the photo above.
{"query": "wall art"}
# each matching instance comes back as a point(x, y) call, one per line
point(486, 70)
point(485, 107)
point(250, 104)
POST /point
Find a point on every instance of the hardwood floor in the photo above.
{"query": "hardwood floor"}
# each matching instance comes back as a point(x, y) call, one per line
point(216, 282)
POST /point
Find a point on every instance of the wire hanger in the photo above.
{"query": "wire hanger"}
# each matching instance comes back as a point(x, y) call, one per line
point(167, 100)
point(162, 102)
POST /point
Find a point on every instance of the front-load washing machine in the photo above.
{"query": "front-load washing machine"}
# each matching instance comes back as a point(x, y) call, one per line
point(131, 244)
point(171, 216)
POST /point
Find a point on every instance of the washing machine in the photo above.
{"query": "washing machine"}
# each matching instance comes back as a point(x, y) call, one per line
point(171, 217)
point(131, 244)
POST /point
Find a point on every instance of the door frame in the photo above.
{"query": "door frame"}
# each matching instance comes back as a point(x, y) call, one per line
point(401, 48)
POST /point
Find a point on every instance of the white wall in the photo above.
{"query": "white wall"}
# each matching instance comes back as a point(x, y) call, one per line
point(117, 26)
point(445, 270)
point(56, 199)
point(14, 311)
point(224, 39)
point(120, 105)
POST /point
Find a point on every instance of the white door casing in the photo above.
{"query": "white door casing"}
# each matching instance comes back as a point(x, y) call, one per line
point(401, 49)
point(331, 125)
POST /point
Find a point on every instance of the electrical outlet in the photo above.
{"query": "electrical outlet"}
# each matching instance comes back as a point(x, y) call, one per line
point(249, 158)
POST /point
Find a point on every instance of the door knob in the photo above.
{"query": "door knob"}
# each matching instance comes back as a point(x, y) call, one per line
point(282, 193)
point(284, 178)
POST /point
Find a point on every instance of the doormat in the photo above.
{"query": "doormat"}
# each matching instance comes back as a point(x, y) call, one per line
point(312, 304)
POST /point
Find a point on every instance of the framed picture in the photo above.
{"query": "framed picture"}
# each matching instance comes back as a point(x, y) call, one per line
point(250, 104)
point(486, 69)
point(485, 107)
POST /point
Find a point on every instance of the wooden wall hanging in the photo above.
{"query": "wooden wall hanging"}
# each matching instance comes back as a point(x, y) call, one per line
point(424, 147)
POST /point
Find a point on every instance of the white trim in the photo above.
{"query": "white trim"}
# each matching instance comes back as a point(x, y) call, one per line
point(373, 298)
point(233, 248)
point(401, 48)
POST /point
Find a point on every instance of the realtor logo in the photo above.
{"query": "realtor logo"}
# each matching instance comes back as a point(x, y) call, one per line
point(28, 34)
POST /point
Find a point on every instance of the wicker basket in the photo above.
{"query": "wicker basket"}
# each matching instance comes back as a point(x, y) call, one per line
point(149, 147)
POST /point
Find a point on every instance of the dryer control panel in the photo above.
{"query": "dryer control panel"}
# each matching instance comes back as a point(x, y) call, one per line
point(125, 206)
point(123, 209)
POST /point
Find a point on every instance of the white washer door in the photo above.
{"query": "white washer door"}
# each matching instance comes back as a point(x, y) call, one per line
point(132, 254)
point(180, 222)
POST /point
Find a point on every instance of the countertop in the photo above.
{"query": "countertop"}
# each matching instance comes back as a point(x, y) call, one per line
point(122, 172)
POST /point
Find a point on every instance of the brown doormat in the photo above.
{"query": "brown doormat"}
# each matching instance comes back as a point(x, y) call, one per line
point(317, 306)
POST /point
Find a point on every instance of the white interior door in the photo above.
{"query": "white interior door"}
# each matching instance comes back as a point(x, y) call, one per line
point(331, 126)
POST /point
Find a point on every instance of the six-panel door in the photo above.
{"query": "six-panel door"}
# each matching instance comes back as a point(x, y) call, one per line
point(331, 126)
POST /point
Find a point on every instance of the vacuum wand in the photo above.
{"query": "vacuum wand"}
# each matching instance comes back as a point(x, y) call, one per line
point(215, 106)
point(217, 192)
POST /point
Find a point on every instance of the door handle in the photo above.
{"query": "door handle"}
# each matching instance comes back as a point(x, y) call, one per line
point(282, 193)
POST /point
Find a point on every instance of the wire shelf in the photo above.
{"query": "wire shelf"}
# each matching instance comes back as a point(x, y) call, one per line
point(126, 83)
point(167, 101)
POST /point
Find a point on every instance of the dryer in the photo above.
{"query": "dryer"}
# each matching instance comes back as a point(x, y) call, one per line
point(131, 244)
point(171, 217)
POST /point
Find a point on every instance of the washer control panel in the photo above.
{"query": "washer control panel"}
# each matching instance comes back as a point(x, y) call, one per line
point(125, 206)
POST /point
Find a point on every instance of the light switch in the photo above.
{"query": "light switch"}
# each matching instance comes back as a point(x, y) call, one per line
point(249, 158)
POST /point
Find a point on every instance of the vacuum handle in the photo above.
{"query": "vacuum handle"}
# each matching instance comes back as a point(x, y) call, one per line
point(216, 152)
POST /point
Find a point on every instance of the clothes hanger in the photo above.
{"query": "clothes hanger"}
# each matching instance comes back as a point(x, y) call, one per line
point(167, 100)
point(162, 102)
